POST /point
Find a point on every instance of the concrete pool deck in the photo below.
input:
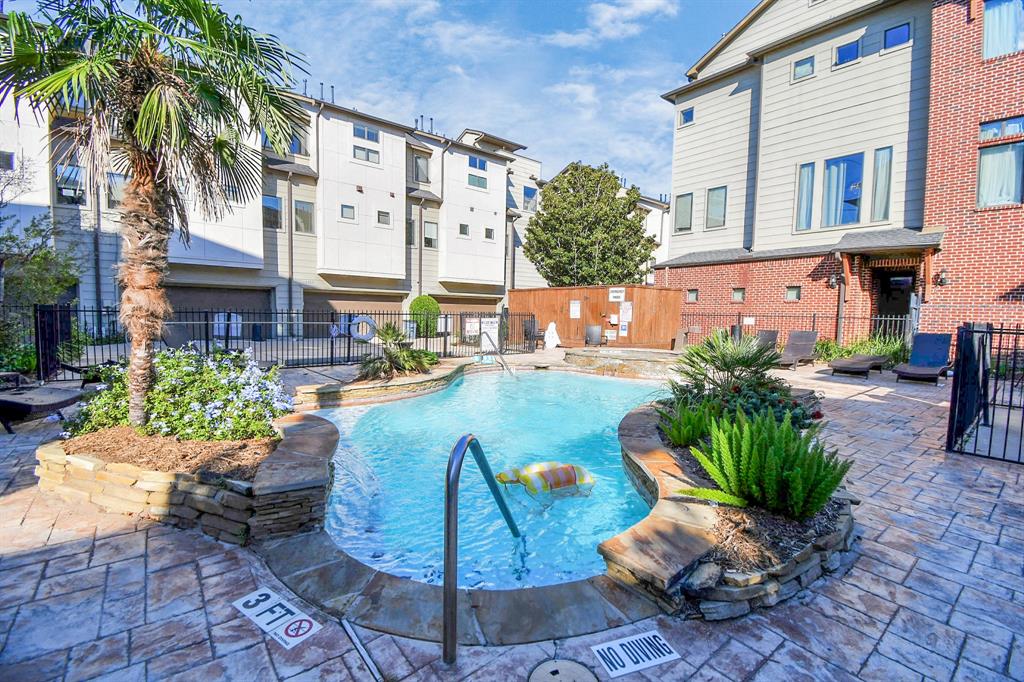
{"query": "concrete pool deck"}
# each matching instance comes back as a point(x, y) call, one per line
point(935, 586)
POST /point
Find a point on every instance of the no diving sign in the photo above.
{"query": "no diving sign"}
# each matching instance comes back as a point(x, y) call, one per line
point(276, 617)
point(629, 654)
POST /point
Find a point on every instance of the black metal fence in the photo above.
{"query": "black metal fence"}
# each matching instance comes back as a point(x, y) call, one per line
point(59, 342)
point(986, 407)
point(847, 329)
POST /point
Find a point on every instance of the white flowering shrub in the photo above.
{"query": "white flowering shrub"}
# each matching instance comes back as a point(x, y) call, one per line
point(222, 396)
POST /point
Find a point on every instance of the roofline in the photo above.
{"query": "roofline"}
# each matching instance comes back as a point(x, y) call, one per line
point(313, 101)
point(513, 146)
point(656, 202)
point(671, 95)
point(728, 38)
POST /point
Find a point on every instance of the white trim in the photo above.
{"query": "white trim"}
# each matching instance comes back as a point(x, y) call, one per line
point(792, 69)
point(679, 117)
point(355, 213)
point(467, 236)
point(835, 54)
point(882, 50)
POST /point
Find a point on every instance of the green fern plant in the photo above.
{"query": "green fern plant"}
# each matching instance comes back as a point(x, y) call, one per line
point(768, 464)
point(687, 424)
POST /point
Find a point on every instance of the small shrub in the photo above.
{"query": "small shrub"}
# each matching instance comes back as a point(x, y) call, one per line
point(396, 357)
point(718, 363)
point(687, 424)
point(893, 346)
point(424, 311)
point(223, 396)
point(768, 464)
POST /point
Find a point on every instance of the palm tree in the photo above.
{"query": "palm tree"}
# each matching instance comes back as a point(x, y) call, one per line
point(172, 94)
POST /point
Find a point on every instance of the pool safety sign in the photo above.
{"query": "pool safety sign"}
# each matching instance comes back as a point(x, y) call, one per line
point(629, 654)
point(276, 617)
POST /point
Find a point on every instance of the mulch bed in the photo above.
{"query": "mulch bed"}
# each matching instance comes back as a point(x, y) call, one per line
point(749, 539)
point(237, 459)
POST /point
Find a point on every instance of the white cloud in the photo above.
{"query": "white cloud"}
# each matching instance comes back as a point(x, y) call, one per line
point(614, 21)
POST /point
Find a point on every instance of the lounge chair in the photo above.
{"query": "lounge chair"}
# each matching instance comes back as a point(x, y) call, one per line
point(89, 374)
point(594, 337)
point(177, 334)
point(768, 337)
point(929, 358)
point(799, 349)
point(23, 403)
point(531, 333)
point(682, 338)
point(858, 364)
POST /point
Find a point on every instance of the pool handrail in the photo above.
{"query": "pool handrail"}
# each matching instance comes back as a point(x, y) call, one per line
point(451, 532)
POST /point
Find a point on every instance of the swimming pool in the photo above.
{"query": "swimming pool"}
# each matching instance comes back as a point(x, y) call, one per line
point(387, 503)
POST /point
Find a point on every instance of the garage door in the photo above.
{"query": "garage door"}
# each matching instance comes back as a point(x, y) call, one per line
point(320, 309)
point(223, 314)
point(215, 298)
point(454, 304)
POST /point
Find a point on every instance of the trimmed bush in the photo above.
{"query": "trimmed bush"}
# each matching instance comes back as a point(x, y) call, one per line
point(768, 464)
point(424, 311)
point(396, 357)
point(222, 396)
point(893, 346)
point(688, 424)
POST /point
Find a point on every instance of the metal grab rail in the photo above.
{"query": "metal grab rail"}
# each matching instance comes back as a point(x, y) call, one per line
point(497, 349)
point(451, 532)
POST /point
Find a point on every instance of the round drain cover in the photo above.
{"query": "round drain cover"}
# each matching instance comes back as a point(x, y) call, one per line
point(561, 670)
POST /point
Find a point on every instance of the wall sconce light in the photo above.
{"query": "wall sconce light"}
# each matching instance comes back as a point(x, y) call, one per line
point(833, 281)
point(942, 279)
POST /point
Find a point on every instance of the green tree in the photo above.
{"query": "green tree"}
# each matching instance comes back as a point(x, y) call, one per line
point(173, 94)
point(585, 233)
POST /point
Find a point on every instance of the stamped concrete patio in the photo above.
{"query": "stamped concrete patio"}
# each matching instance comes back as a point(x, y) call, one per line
point(934, 589)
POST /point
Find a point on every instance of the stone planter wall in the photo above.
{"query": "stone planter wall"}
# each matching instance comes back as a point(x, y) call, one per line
point(630, 363)
point(317, 396)
point(288, 494)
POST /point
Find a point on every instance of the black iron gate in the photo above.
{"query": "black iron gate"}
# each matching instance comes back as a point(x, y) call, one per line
point(986, 407)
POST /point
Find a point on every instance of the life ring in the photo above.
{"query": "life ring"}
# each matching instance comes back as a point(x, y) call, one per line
point(550, 478)
point(354, 325)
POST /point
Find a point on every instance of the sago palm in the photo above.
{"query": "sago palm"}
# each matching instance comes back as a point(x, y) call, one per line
point(172, 93)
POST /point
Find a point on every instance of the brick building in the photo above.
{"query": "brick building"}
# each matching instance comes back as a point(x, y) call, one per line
point(826, 169)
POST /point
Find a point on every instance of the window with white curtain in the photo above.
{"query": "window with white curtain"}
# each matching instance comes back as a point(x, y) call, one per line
point(803, 68)
point(844, 178)
point(882, 190)
point(1004, 27)
point(115, 189)
point(804, 196)
point(421, 168)
point(430, 235)
point(716, 208)
point(1001, 175)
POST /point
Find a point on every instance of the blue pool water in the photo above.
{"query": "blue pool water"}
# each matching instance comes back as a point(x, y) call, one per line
point(387, 503)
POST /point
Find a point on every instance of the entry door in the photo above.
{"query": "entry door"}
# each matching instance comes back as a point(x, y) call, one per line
point(894, 293)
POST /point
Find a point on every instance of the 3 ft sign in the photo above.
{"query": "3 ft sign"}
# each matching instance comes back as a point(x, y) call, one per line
point(276, 617)
point(629, 654)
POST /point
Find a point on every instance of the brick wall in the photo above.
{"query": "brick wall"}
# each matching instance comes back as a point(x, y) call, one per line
point(982, 249)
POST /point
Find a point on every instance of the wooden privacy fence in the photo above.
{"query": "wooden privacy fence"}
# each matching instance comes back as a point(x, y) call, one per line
point(633, 316)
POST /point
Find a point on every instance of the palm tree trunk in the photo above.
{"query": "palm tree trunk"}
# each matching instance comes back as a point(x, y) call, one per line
point(146, 230)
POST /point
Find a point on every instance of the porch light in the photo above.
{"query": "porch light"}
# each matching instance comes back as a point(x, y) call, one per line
point(942, 279)
point(833, 281)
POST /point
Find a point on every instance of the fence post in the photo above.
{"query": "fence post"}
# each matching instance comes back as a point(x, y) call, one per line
point(38, 345)
point(447, 332)
point(814, 322)
point(954, 396)
point(207, 331)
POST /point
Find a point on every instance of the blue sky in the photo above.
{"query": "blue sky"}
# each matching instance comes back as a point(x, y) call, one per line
point(571, 80)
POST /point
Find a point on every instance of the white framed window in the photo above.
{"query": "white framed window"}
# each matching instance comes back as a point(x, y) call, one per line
point(530, 199)
point(364, 154)
point(477, 181)
point(683, 221)
point(365, 132)
point(410, 232)
point(804, 197)
point(793, 293)
point(686, 117)
point(489, 234)
point(477, 162)
point(420, 168)
point(383, 218)
point(739, 295)
point(897, 36)
point(297, 145)
point(430, 235)
point(846, 54)
point(271, 212)
point(115, 189)
point(348, 212)
point(1003, 27)
point(844, 182)
point(692, 295)
point(70, 184)
point(881, 191)
point(803, 68)
point(303, 216)
point(463, 230)
point(1007, 127)
point(1001, 175)
point(715, 209)
point(6, 161)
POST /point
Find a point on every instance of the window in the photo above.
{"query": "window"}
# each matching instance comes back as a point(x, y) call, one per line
point(271, 212)
point(804, 196)
point(896, 36)
point(477, 181)
point(1001, 175)
point(7, 161)
point(686, 117)
point(70, 186)
point(739, 295)
point(489, 233)
point(115, 189)
point(364, 154)
point(383, 218)
point(365, 132)
point(716, 208)
point(692, 295)
point(297, 145)
point(463, 230)
point(478, 163)
point(430, 235)
point(1005, 128)
point(348, 212)
point(1003, 27)
point(530, 199)
point(684, 213)
point(410, 232)
point(792, 293)
point(803, 68)
point(843, 178)
point(882, 189)
point(420, 168)
point(303, 217)
point(847, 53)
